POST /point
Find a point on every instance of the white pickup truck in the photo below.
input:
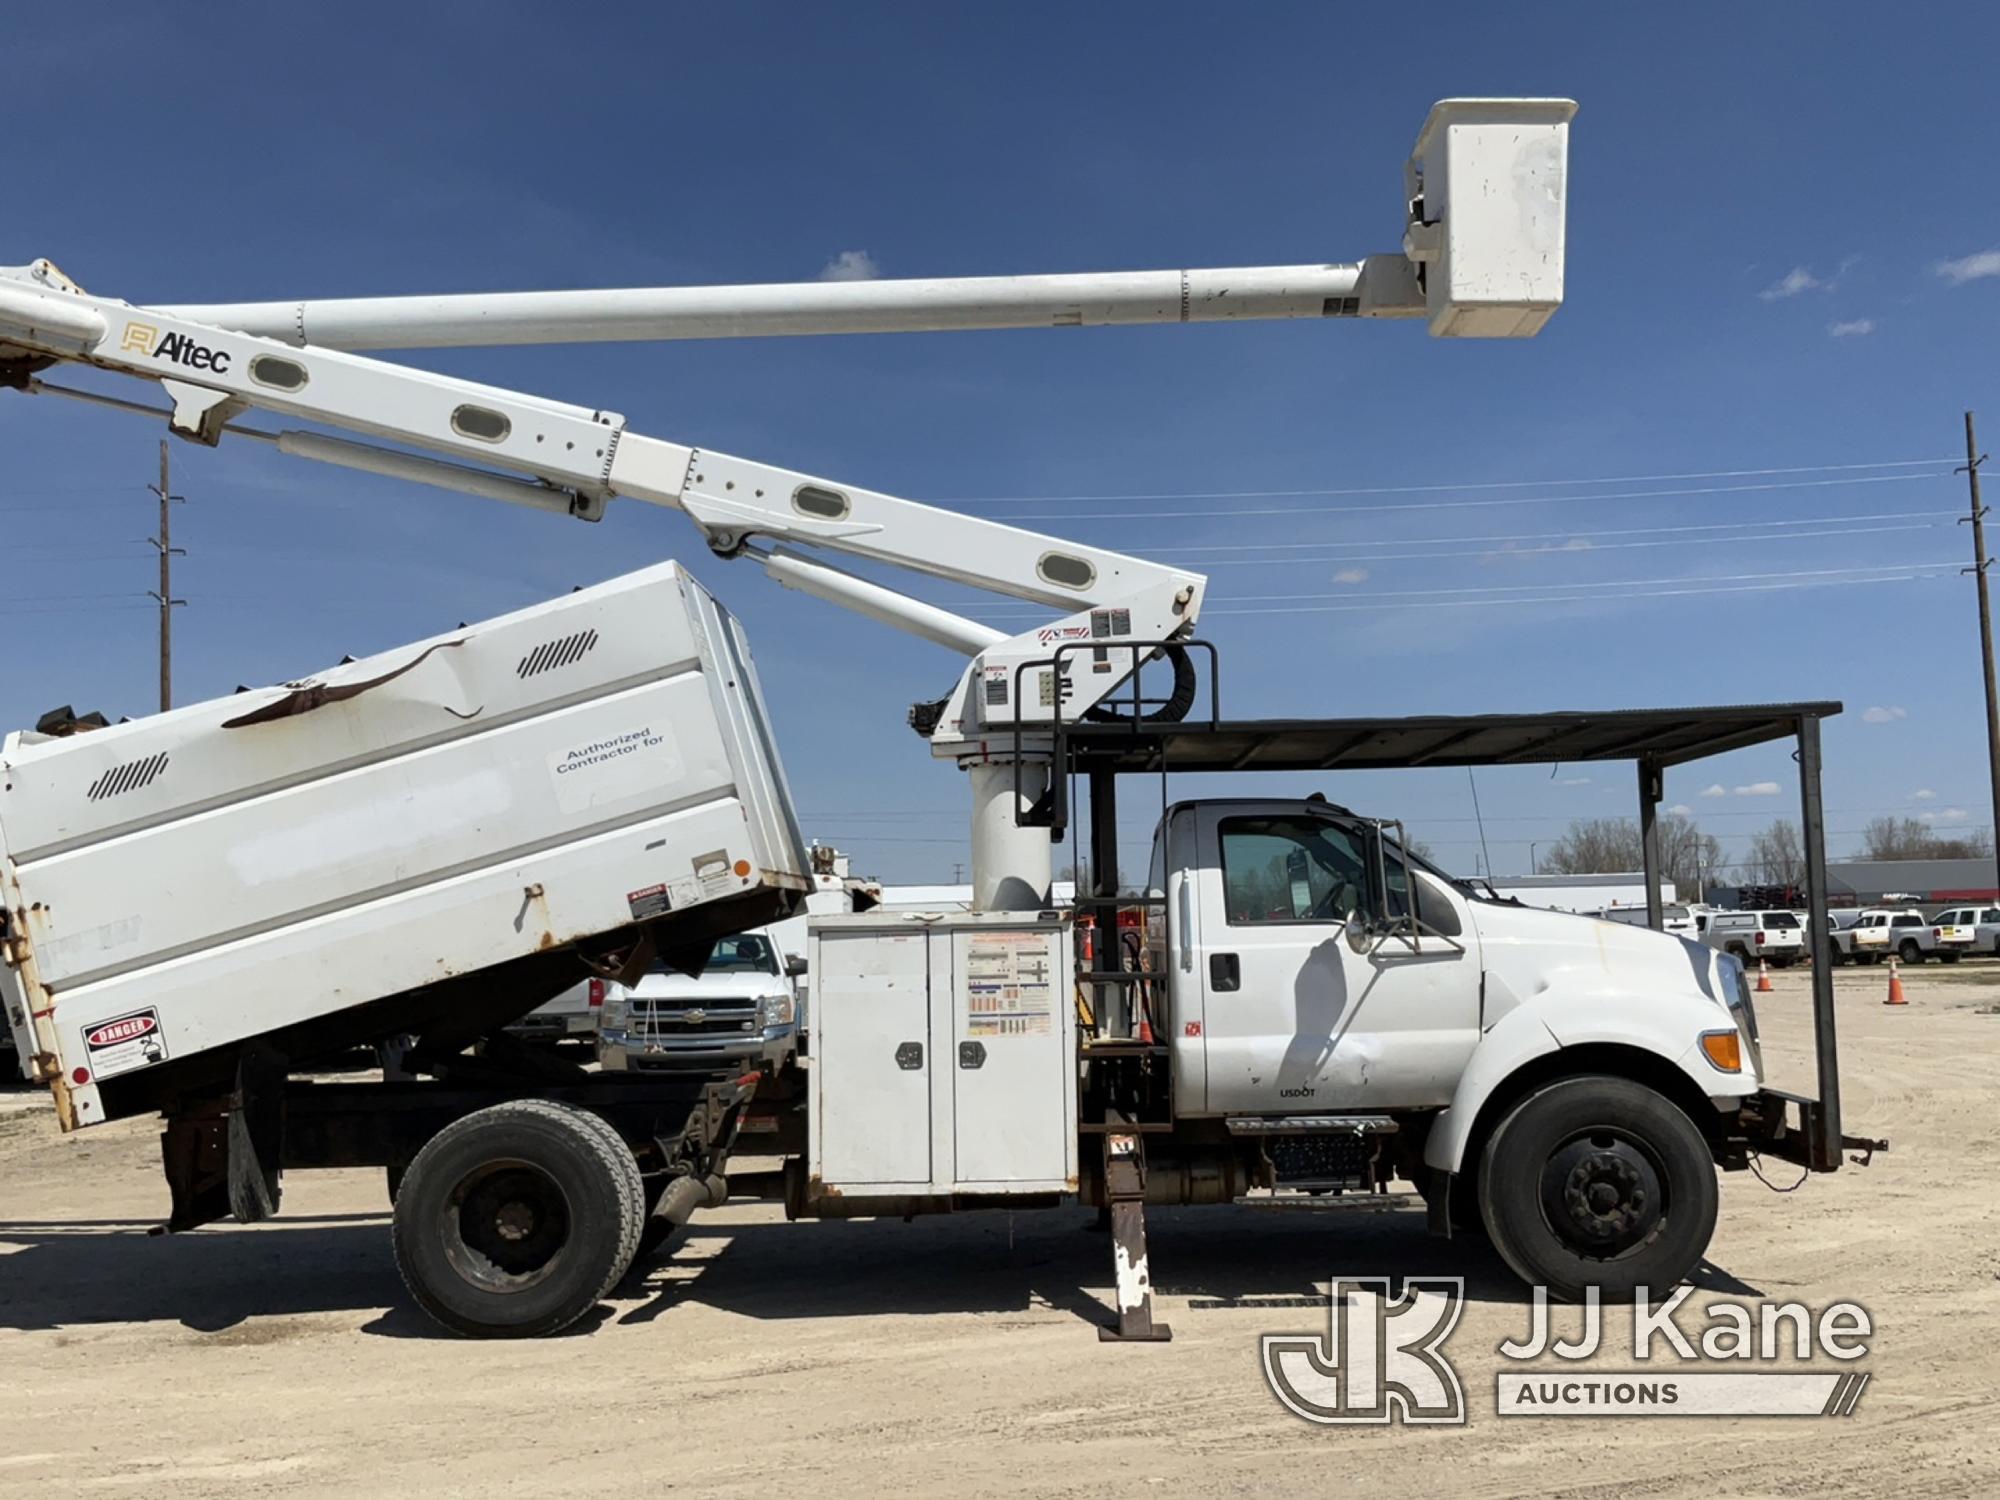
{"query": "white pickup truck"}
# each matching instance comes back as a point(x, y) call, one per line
point(1946, 937)
point(740, 1013)
point(1777, 937)
point(1983, 920)
point(1871, 934)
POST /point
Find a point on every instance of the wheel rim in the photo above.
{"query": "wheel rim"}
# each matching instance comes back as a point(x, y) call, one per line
point(1603, 1193)
point(505, 1226)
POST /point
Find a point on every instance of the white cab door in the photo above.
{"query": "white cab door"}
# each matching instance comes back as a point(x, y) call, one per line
point(1293, 1019)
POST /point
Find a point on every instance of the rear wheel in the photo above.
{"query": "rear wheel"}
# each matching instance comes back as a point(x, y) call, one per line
point(1598, 1181)
point(1909, 952)
point(1949, 956)
point(515, 1221)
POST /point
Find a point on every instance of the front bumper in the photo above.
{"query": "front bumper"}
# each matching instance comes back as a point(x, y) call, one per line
point(713, 1052)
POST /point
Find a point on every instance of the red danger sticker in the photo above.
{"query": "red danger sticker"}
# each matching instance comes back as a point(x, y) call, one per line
point(128, 1030)
point(123, 1043)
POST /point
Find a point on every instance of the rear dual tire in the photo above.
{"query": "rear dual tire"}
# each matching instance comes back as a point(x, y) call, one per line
point(515, 1221)
point(1598, 1181)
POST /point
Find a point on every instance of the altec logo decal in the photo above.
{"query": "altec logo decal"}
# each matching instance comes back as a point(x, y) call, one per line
point(175, 348)
point(114, 1032)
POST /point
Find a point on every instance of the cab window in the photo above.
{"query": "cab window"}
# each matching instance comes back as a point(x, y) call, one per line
point(1290, 869)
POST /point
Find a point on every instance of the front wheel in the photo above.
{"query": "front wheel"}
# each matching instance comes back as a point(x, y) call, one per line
point(1598, 1181)
point(515, 1221)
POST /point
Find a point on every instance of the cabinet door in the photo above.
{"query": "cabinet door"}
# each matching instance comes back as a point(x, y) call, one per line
point(872, 1054)
point(1010, 1061)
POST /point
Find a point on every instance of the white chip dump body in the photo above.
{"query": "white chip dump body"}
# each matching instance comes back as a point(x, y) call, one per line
point(193, 880)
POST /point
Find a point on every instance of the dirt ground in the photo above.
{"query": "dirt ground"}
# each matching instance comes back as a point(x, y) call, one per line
point(959, 1356)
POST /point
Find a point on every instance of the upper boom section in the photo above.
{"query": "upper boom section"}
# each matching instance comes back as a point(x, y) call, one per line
point(1482, 257)
point(932, 305)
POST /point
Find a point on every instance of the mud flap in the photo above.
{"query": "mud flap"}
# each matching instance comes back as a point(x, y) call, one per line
point(256, 1134)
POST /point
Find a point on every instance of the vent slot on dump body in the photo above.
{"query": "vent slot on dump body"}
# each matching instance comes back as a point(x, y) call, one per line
point(560, 653)
point(128, 777)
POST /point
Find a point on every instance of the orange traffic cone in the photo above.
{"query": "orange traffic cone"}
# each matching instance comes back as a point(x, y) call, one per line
point(1764, 986)
point(1895, 985)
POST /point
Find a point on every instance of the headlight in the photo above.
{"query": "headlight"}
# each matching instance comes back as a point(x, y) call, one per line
point(775, 1010)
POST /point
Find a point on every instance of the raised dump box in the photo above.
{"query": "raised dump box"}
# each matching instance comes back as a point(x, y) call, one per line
point(427, 842)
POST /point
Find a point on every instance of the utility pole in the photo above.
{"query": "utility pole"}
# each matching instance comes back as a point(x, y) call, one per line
point(1973, 459)
point(168, 552)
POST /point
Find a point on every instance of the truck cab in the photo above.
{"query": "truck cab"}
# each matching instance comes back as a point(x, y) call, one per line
point(1301, 979)
point(1567, 1083)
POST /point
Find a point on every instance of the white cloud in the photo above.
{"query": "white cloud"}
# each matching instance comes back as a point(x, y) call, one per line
point(1923, 794)
point(1969, 267)
point(1798, 279)
point(1758, 789)
point(1574, 781)
point(850, 265)
point(1681, 809)
point(1944, 815)
point(1859, 328)
point(1717, 790)
point(1880, 715)
point(1351, 575)
point(1578, 544)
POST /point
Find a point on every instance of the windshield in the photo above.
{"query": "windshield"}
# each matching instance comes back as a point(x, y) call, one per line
point(745, 954)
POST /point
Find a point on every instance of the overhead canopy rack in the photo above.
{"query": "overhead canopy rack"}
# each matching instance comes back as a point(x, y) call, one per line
point(1660, 736)
point(1652, 738)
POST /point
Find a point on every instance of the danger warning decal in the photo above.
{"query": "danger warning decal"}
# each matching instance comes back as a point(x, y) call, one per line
point(653, 901)
point(124, 1043)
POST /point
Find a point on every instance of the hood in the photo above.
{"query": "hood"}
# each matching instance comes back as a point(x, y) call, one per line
point(718, 984)
point(1527, 950)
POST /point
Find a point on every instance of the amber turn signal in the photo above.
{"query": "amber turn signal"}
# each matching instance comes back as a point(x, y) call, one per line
point(1724, 1049)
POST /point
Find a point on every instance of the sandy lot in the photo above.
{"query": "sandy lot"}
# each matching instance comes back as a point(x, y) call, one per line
point(959, 1356)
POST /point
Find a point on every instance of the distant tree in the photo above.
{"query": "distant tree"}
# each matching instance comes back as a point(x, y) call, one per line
point(1777, 856)
point(1907, 838)
point(1597, 846)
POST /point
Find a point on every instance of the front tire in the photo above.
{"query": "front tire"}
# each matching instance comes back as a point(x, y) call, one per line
point(515, 1221)
point(1598, 1181)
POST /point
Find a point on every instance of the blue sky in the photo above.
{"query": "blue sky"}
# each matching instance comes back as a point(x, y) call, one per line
point(1777, 220)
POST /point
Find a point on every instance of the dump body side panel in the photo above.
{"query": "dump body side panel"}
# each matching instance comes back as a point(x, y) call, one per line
point(201, 877)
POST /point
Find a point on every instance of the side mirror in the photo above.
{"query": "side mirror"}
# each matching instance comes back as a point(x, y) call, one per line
point(795, 966)
point(1360, 932)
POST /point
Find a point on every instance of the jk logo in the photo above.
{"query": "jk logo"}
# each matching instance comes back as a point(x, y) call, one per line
point(1381, 1359)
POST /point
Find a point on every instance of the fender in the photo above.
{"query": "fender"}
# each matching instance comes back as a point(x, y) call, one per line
point(1667, 1026)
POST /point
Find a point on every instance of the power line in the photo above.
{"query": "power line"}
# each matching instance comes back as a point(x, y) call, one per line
point(1150, 516)
point(1673, 593)
point(1374, 597)
point(1557, 551)
point(1477, 484)
point(1540, 536)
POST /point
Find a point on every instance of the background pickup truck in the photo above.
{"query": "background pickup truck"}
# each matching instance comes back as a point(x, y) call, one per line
point(741, 1013)
point(1863, 937)
point(1946, 941)
point(1983, 920)
point(1750, 935)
